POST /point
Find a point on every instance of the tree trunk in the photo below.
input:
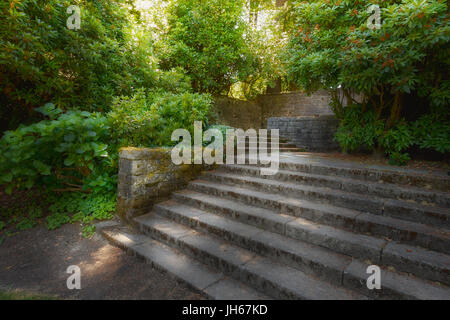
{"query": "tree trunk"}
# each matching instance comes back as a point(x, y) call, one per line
point(396, 111)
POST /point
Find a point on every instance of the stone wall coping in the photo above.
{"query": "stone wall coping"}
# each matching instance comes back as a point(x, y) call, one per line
point(319, 92)
point(132, 153)
point(317, 117)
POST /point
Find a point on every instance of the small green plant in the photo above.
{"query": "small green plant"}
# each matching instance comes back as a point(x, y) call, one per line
point(399, 159)
point(20, 295)
point(88, 231)
point(2, 225)
point(35, 212)
point(83, 208)
point(25, 224)
point(432, 132)
point(56, 220)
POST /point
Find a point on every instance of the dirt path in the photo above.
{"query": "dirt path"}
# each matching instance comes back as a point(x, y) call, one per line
point(36, 261)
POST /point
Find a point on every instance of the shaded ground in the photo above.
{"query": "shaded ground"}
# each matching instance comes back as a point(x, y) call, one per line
point(36, 261)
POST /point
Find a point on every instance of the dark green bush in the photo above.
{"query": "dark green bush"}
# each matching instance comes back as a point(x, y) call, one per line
point(360, 131)
point(63, 150)
point(78, 150)
point(433, 132)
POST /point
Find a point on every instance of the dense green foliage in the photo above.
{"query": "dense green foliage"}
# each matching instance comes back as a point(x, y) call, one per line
point(206, 39)
point(77, 151)
point(400, 69)
point(42, 61)
point(68, 146)
point(101, 89)
point(361, 130)
point(148, 119)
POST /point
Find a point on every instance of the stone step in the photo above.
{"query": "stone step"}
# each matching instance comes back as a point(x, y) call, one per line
point(280, 149)
point(266, 140)
point(379, 226)
point(434, 264)
point(389, 207)
point(313, 260)
point(203, 278)
point(385, 190)
point(278, 280)
point(268, 143)
point(374, 173)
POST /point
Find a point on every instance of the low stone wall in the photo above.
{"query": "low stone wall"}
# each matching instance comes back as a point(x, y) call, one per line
point(148, 176)
point(310, 133)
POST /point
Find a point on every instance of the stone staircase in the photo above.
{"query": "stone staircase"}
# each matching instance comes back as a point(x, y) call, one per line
point(308, 232)
point(285, 146)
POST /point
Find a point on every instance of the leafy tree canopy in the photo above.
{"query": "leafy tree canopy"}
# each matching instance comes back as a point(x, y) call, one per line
point(331, 46)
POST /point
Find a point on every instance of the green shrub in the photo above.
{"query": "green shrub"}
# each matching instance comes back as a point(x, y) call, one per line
point(359, 130)
point(433, 132)
point(62, 151)
point(149, 119)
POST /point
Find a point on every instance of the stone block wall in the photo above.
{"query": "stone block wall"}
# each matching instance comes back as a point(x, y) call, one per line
point(294, 104)
point(254, 114)
point(148, 176)
point(310, 133)
point(238, 114)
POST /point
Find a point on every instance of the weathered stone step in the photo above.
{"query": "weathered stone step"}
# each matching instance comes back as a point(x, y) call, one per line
point(398, 230)
point(395, 208)
point(280, 149)
point(212, 283)
point(311, 259)
point(268, 142)
point(278, 280)
point(360, 246)
point(374, 173)
point(385, 190)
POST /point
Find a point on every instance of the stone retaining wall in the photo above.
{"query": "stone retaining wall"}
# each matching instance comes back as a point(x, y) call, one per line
point(254, 114)
point(148, 176)
point(238, 114)
point(294, 104)
point(310, 133)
